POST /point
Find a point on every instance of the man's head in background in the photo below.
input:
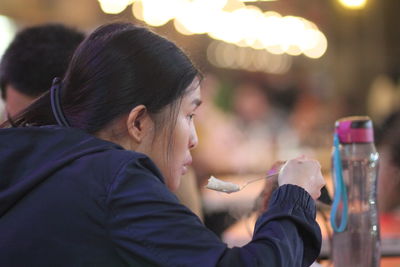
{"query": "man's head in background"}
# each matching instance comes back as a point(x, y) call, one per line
point(35, 56)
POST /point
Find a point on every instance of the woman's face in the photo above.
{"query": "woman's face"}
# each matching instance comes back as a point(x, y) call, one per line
point(174, 160)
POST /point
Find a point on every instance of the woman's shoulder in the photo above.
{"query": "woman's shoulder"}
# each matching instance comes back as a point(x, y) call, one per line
point(130, 163)
point(135, 167)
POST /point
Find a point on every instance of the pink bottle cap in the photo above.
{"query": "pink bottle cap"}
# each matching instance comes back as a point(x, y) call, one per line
point(355, 129)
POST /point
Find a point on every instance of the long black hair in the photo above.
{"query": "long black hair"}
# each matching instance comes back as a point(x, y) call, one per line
point(116, 68)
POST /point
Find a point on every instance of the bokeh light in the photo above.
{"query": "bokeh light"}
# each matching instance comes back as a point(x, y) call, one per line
point(233, 22)
point(224, 55)
point(114, 6)
point(7, 33)
point(353, 4)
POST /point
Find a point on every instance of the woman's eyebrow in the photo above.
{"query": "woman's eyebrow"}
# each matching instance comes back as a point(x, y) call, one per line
point(197, 102)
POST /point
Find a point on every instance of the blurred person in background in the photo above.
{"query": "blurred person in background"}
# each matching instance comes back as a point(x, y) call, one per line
point(388, 143)
point(253, 115)
point(103, 151)
point(35, 56)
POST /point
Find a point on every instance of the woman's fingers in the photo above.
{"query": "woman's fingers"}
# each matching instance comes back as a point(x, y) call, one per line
point(305, 173)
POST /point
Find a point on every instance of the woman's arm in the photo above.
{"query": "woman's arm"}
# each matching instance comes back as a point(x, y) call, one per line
point(148, 225)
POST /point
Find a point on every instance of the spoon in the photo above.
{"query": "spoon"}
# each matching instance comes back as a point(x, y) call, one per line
point(228, 187)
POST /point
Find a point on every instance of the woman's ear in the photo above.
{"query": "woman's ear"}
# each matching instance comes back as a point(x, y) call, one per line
point(139, 123)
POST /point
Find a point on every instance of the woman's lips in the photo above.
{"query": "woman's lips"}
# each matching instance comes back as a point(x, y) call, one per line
point(186, 165)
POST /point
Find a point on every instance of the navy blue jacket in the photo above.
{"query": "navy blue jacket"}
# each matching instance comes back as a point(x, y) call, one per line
point(70, 199)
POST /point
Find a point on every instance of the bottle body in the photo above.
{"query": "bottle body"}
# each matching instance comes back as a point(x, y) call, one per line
point(359, 243)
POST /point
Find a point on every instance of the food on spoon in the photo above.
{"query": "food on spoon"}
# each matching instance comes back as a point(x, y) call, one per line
point(219, 185)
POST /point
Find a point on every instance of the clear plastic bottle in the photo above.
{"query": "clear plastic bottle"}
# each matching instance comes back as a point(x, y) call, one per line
point(358, 242)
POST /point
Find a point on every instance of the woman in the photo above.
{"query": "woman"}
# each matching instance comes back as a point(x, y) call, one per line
point(86, 171)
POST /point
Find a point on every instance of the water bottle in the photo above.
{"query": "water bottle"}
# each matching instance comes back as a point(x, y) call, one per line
point(354, 214)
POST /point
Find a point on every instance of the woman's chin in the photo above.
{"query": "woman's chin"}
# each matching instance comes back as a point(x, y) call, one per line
point(174, 184)
point(184, 170)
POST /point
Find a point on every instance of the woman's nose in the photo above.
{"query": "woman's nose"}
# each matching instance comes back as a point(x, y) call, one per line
point(193, 140)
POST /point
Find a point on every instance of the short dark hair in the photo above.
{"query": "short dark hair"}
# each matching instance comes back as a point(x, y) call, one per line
point(117, 67)
point(37, 55)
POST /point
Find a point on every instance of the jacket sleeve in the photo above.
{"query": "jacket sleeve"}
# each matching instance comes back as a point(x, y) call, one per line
point(150, 227)
point(286, 235)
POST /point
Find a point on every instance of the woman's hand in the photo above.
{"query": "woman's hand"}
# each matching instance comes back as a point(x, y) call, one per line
point(305, 173)
point(301, 171)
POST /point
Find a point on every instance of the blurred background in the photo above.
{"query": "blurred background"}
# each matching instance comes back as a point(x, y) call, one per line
point(278, 73)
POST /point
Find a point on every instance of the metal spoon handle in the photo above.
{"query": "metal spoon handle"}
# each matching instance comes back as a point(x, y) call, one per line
point(260, 178)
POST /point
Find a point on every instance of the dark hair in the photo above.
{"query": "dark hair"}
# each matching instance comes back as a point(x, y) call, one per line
point(37, 55)
point(118, 67)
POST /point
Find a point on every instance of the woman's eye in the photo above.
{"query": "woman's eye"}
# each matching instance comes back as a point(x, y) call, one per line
point(191, 116)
